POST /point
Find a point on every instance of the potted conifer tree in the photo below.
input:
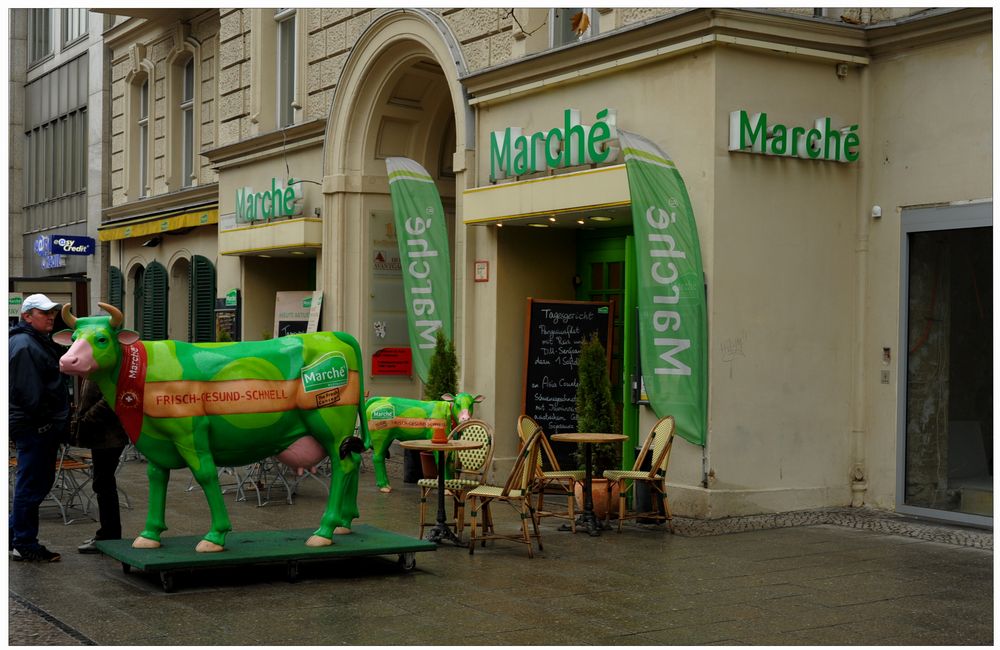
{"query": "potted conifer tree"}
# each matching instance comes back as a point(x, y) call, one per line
point(596, 413)
point(442, 377)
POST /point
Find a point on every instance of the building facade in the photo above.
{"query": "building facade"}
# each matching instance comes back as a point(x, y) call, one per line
point(56, 188)
point(845, 362)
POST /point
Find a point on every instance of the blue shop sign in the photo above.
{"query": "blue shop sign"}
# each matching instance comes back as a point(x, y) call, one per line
point(72, 245)
point(43, 249)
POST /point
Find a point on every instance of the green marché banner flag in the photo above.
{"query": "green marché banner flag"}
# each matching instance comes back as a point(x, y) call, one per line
point(423, 251)
point(673, 317)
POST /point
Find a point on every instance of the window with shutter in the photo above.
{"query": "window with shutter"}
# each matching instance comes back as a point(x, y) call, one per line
point(138, 274)
point(201, 300)
point(154, 303)
point(116, 288)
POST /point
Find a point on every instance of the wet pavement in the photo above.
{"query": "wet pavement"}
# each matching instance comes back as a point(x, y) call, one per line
point(826, 577)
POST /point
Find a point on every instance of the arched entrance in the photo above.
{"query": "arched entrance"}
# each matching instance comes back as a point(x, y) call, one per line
point(398, 95)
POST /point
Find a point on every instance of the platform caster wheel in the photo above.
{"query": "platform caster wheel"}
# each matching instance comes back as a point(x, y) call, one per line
point(407, 561)
point(167, 580)
point(126, 568)
point(292, 571)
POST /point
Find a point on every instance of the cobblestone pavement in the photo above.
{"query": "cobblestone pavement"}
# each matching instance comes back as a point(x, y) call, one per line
point(836, 576)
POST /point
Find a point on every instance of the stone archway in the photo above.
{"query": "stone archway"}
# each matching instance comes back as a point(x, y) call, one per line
point(398, 95)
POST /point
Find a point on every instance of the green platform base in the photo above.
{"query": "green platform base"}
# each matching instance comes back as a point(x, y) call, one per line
point(262, 547)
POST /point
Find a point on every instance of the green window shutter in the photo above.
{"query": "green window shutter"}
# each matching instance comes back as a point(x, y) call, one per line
point(154, 303)
point(116, 287)
point(201, 300)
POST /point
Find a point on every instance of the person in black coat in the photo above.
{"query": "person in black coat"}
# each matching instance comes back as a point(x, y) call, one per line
point(99, 429)
point(38, 398)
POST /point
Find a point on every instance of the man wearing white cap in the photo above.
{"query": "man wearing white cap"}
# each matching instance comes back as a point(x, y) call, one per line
point(39, 415)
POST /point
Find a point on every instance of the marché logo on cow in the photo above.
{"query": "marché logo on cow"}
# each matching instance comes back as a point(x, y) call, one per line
point(384, 413)
point(330, 371)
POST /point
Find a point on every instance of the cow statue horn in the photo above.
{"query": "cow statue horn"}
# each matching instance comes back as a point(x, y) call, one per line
point(116, 316)
point(67, 317)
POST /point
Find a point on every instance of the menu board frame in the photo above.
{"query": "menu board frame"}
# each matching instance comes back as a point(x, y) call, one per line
point(531, 342)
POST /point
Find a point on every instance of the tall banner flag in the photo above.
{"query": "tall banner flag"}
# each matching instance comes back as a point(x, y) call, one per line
point(423, 252)
point(673, 316)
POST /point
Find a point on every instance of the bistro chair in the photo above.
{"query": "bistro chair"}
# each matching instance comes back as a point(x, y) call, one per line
point(658, 443)
point(515, 492)
point(562, 481)
point(471, 469)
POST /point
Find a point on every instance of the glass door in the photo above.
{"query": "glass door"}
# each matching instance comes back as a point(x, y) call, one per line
point(946, 421)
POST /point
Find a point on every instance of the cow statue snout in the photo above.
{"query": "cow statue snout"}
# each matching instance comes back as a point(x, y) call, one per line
point(77, 364)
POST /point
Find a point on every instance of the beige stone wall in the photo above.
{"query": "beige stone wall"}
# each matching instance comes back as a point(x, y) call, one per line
point(151, 46)
point(929, 151)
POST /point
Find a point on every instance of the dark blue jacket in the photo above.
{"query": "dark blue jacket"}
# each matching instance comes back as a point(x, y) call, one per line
point(39, 394)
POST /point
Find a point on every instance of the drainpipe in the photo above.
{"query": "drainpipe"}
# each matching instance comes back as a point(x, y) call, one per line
point(859, 478)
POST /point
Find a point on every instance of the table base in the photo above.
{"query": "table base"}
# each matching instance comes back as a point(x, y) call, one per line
point(443, 533)
point(590, 522)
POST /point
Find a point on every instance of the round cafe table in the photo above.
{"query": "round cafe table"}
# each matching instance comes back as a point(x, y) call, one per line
point(588, 519)
point(440, 531)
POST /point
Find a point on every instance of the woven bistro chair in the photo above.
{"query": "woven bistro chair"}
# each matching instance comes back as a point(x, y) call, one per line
point(515, 492)
point(471, 469)
point(562, 481)
point(658, 443)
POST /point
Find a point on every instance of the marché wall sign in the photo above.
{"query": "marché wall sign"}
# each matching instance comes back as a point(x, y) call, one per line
point(282, 200)
point(752, 134)
point(514, 154)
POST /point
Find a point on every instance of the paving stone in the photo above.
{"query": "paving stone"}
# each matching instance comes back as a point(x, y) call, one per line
point(834, 577)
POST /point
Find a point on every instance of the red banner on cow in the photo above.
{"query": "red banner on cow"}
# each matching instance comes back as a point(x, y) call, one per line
point(131, 389)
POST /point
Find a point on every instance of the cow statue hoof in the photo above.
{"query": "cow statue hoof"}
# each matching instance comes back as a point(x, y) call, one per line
point(317, 541)
point(385, 490)
point(205, 546)
point(145, 542)
point(341, 530)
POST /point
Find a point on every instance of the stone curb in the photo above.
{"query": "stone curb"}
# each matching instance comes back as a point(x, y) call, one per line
point(864, 518)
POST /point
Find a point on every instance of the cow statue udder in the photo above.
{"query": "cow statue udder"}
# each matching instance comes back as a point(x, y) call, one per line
point(209, 405)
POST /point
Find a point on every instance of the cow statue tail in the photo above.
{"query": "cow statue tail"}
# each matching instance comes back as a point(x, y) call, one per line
point(366, 439)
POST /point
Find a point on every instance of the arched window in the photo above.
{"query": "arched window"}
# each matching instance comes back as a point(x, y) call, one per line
point(201, 300)
point(286, 66)
point(136, 278)
point(182, 117)
point(153, 322)
point(140, 150)
point(186, 108)
point(179, 328)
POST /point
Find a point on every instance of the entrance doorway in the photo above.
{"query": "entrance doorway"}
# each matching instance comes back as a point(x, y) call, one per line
point(603, 268)
point(945, 465)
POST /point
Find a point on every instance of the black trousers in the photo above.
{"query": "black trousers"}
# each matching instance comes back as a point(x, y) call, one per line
point(106, 489)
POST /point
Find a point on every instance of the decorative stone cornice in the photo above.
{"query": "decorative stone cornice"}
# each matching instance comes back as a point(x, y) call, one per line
point(670, 35)
point(266, 142)
point(928, 28)
point(188, 197)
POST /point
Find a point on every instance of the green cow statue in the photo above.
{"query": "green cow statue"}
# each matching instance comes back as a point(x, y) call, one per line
point(209, 405)
point(398, 418)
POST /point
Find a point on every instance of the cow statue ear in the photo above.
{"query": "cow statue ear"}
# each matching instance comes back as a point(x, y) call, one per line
point(127, 337)
point(64, 337)
point(478, 399)
point(448, 397)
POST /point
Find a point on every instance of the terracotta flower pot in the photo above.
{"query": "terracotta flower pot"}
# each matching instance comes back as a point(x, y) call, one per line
point(428, 464)
point(599, 489)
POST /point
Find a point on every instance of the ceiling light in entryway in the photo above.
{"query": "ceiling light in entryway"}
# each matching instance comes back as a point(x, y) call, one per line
point(600, 218)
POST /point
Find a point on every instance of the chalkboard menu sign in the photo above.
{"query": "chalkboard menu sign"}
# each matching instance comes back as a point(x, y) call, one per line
point(554, 332)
